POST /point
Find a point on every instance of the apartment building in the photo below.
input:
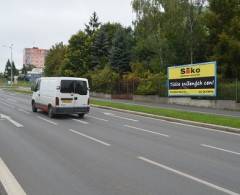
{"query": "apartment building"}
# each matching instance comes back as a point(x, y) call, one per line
point(34, 56)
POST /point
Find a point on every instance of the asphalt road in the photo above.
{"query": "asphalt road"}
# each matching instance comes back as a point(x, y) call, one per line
point(114, 153)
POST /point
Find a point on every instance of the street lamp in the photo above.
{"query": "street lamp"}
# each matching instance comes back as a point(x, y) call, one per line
point(11, 48)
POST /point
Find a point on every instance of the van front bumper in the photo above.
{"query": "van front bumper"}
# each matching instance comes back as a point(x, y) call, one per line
point(71, 110)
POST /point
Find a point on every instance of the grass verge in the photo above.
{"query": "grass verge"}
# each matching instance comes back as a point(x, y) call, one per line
point(16, 90)
point(191, 116)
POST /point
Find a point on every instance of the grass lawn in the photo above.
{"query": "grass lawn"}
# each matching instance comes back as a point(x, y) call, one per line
point(13, 89)
point(3, 82)
point(22, 84)
point(192, 116)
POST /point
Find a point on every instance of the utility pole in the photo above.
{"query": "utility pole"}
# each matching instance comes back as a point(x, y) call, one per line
point(191, 29)
point(11, 48)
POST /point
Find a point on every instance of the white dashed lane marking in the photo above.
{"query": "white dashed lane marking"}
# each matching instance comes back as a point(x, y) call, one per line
point(80, 121)
point(89, 137)
point(220, 149)
point(48, 121)
point(216, 187)
point(116, 116)
point(147, 131)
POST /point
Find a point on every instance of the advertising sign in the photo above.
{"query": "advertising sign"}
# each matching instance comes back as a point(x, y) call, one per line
point(193, 80)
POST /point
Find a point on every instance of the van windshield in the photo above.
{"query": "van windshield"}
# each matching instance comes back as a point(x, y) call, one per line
point(73, 86)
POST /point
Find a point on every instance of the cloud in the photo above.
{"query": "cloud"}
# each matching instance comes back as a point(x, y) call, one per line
point(29, 23)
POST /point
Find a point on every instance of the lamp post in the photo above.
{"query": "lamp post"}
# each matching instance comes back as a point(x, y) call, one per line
point(11, 48)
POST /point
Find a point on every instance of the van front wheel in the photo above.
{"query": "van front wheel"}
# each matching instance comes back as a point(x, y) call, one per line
point(34, 109)
point(50, 112)
point(81, 115)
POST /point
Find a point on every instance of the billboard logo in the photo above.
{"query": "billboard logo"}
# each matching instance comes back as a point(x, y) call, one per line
point(190, 70)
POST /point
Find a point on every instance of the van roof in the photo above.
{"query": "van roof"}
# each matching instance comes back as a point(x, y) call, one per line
point(64, 78)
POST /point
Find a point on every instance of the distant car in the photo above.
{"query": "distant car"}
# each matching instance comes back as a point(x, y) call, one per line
point(61, 95)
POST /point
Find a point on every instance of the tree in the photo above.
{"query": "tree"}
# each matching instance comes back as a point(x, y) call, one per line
point(168, 32)
point(102, 44)
point(223, 22)
point(93, 25)
point(100, 50)
point(148, 32)
point(15, 70)
point(55, 59)
point(8, 67)
point(121, 50)
point(77, 58)
point(27, 68)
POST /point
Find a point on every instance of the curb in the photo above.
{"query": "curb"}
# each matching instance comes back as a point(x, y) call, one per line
point(170, 119)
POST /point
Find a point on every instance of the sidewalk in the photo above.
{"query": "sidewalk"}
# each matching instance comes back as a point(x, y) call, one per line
point(178, 107)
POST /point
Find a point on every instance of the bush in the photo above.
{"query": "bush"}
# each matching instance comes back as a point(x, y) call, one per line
point(102, 80)
point(155, 84)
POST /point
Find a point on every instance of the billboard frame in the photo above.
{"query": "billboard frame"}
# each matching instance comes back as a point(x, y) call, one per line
point(188, 65)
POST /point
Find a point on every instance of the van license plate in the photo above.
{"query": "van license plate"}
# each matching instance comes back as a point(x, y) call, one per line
point(67, 101)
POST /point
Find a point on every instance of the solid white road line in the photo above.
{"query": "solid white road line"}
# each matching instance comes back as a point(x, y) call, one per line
point(206, 128)
point(189, 176)
point(15, 123)
point(48, 121)
point(80, 121)
point(221, 149)
point(24, 111)
point(113, 115)
point(144, 130)
point(194, 126)
point(9, 182)
point(89, 137)
point(100, 119)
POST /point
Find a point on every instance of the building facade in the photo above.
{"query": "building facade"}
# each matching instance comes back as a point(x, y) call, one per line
point(35, 56)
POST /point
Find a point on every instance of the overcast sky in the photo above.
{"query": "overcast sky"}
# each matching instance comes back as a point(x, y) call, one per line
point(42, 23)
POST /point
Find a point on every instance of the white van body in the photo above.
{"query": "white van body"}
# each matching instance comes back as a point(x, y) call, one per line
point(61, 95)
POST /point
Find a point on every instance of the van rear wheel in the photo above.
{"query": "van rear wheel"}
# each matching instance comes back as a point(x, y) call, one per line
point(81, 115)
point(50, 112)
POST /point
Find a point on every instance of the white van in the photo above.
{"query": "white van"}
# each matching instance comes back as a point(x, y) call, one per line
point(61, 95)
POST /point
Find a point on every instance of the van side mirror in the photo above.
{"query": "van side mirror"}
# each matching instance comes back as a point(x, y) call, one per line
point(33, 88)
